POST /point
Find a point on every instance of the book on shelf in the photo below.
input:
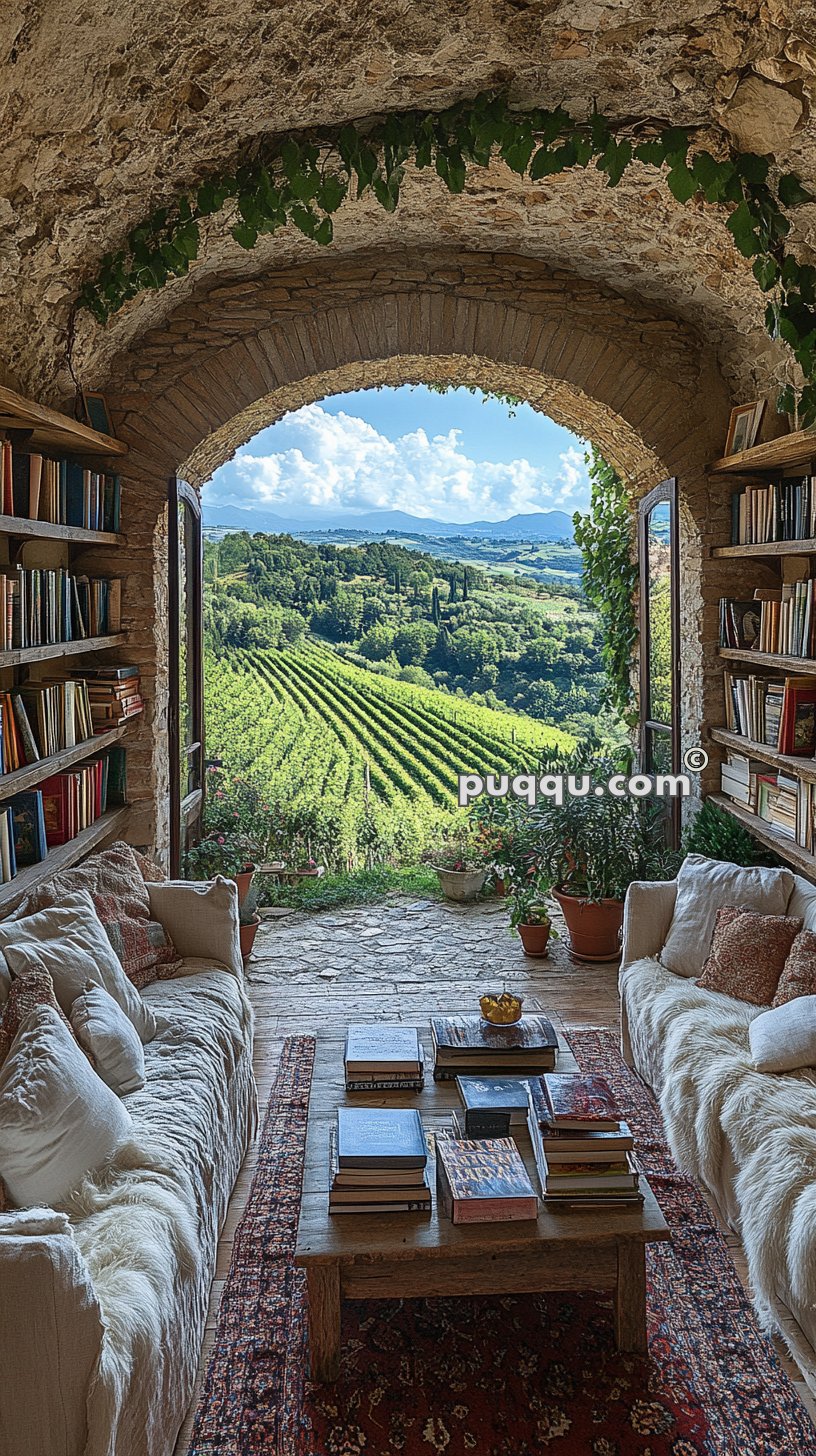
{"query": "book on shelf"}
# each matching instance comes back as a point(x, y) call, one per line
point(62, 492)
point(778, 712)
point(28, 828)
point(782, 800)
point(483, 1181)
point(44, 606)
point(469, 1043)
point(8, 858)
point(778, 620)
point(378, 1162)
point(491, 1105)
point(779, 510)
point(383, 1057)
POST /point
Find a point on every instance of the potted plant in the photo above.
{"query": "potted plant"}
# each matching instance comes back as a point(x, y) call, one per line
point(530, 916)
point(248, 922)
point(593, 847)
point(502, 832)
point(460, 866)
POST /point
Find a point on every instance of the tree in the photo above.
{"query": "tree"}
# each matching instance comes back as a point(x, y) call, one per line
point(413, 642)
point(340, 617)
point(465, 586)
point(607, 541)
point(377, 643)
point(435, 611)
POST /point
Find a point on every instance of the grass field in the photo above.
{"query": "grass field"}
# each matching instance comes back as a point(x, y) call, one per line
point(369, 763)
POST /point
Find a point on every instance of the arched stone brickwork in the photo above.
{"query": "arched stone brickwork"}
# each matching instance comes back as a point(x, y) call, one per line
point(240, 355)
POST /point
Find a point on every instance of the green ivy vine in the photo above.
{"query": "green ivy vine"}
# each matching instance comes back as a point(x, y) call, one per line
point(610, 579)
point(303, 180)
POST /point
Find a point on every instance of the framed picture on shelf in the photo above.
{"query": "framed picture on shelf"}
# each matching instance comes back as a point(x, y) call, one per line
point(97, 413)
point(743, 426)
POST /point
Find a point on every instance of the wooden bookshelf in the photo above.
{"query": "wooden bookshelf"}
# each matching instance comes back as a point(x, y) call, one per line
point(784, 453)
point(788, 850)
point(802, 766)
point(47, 429)
point(772, 550)
point(33, 773)
point(16, 656)
point(23, 528)
point(109, 826)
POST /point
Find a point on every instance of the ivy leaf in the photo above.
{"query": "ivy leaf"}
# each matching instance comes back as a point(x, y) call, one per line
point(304, 219)
point(652, 153)
point(543, 164)
point(206, 199)
point(324, 232)
point(365, 166)
point(786, 400)
point(332, 192)
point(174, 258)
point(791, 192)
point(741, 227)
point(599, 131)
point(551, 124)
point(675, 143)
point(753, 168)
point(615, 160)
point(187, 240)
point(766, 272)
point(245, 235)
point(517, 153)
point(384, 195)
point(712, 176)
point(305, 184)
point(290, 158)
point(681, 182)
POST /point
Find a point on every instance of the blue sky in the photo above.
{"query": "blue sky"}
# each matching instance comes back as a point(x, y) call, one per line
point(457, 457)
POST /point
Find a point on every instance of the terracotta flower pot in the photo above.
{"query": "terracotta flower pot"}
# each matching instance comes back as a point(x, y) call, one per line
point(462, 885)
point(500, 885)
point(246, 934)
point(594, 926)
point(243, 880)
point(534, 938)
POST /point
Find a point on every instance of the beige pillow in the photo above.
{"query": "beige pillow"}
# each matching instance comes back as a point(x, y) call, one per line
point(58, 1120)
point(704, 886)
point(784, 1038)
point(201, 918)
point(70, 940)
point(103, 1030)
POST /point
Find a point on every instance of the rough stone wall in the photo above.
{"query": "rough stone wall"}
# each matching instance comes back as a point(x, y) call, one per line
point(240, 355)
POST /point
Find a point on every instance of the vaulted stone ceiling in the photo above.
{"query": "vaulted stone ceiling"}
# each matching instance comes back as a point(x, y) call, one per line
point(107, 108)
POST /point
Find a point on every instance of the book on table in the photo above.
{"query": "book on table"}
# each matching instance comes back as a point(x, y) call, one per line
point(383, 1057)
point(492, 1105)
point(471, 1044)
point(378, 1162)
point(483, 1181)
point(583, 1149)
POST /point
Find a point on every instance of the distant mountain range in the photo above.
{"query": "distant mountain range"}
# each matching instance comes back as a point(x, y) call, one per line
point(535, 526)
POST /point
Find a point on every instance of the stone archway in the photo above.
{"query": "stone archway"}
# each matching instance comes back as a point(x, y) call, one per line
point(239, 355)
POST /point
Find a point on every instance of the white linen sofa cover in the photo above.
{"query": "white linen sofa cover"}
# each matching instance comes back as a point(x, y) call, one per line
point(103, 1302)
point(749, 1137)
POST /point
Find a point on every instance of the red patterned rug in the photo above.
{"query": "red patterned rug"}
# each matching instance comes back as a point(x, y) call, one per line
point(495, 1377)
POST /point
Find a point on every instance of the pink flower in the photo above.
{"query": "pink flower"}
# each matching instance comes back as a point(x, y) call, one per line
point(220, 839)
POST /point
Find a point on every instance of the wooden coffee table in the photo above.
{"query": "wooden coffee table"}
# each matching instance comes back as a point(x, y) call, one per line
point(413, 1256)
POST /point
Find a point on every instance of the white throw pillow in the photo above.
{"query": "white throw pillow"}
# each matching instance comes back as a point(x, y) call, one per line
point(103, 1029)
point(784, 1038)
point(803, 903)
point(71, 942)
point(5, 982)
point(703, 887)
point(58, 1120)
point(201, 919)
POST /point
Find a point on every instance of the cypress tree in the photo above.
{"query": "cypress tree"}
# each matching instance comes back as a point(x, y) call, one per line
point(465, 587)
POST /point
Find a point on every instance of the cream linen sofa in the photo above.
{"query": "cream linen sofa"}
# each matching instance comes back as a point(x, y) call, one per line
point(103, 1304)
point(749, 1137)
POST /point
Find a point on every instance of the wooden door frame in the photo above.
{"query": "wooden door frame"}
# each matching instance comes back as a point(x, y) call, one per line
point(184, 811)
point(665, 491)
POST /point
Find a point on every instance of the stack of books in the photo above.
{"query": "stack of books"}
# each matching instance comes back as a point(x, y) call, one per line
point(776, 619)
point(60, 491)
point(739, 779)
point(483, 1181)
point(379, 1161)
point(471, 1044)
point(41, 607)
point(114, 695)
point(583, 1150)
point(383, 1058)
point(783, 510)
point(492, 1106)
point(789, 804)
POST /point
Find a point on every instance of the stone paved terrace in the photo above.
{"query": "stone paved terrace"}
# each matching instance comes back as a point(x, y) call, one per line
point(402, 959)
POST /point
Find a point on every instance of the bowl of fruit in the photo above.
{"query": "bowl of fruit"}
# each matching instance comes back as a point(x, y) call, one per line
point(502, 1009)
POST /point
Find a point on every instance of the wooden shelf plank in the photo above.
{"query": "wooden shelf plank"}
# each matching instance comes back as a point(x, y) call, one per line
point(780, 661)
point(787, 849)
point(34, 773)
point(769, 549)
point(108, 826)
point(798, 448)
point(47, 531)
point(804, 767)
point(18, 655)
point(52, 429)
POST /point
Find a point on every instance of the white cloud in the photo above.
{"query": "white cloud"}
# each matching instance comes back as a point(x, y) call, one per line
point(340, 462)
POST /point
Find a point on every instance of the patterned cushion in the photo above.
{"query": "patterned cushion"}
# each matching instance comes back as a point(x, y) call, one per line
point(33, 988)
point(116, 884)
point(748, 952)
point(799, 973)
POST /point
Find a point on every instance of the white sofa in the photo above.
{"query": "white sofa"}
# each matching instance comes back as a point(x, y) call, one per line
point(103, 1303)
point(749, 1137)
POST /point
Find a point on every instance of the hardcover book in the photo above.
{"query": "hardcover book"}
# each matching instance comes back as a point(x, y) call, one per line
point(456, 1035)
point(483, 1182)
point(492, 1105)
point(383, 1049)
point(572, 1103)
point(380, 1138)
point(29, 828)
